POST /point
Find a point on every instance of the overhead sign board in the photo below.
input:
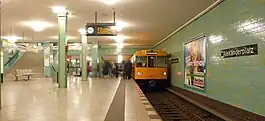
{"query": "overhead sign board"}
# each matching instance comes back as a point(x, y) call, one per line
point(240, 51)
point(101, 29)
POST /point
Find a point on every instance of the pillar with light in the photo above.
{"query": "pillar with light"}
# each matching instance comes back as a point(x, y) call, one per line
point(95, 58)
point(62, 25)
point(84, 54)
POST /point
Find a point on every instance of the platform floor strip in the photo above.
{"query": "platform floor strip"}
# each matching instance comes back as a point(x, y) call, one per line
point(117, 107)
point(153, 115)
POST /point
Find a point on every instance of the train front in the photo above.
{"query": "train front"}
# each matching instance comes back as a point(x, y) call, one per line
point(151, 68)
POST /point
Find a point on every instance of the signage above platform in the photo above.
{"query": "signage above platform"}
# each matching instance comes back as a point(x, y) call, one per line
point(246, 50)
point(101, 29)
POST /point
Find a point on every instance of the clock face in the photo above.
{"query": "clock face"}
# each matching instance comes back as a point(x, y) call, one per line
point(90, 30)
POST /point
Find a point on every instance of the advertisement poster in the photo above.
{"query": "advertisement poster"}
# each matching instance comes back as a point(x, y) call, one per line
point(195, 63)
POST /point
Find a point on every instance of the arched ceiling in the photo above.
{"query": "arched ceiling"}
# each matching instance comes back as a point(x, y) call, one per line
point(149, 21)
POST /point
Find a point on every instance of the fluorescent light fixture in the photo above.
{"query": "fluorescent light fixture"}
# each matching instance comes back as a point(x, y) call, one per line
point(109, 2)
point(216, 39)
point(120, 58)
point(119, 38)
point(59, 9)
point(35, 46)
point(37, 25)
point(12, 38)
point(120, 25)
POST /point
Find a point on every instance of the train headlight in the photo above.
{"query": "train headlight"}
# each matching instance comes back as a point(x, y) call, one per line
point(165, 73)
point(139, 73)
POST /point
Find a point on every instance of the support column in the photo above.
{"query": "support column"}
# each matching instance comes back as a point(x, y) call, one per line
point(47, 63)
point(84, 57)
point(2, 61)
point(95, 58)
point(62, 24)
point(1, 67)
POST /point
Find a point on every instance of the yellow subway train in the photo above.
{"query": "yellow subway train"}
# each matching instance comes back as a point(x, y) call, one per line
point(150, 67)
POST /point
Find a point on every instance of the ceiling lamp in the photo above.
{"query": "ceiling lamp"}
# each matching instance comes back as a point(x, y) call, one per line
point(110, 2)
point(12, 38)
point(59, 9)
point(38, 25)
point(119, 38)
point(120, 25)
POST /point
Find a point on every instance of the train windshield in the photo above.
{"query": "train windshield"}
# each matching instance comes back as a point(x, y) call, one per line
point(151, 61)
point(141, 61)
point(161, 61)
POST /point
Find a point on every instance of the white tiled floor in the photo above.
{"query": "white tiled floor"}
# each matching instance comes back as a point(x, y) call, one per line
point(40, 100)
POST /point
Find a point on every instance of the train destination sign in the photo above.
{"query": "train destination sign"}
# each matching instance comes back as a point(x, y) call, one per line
point(101, 29)
point(151, 52)
point(240, 51)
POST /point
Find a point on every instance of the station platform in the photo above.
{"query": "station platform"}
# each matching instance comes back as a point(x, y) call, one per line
point(98, 99)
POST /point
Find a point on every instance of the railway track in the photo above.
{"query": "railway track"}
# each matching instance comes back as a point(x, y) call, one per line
point(174, 108)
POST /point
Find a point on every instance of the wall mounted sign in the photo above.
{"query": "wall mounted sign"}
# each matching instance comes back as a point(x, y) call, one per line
point(175, 60)
point(246, 50)
point(195, 63)
point(101, 29)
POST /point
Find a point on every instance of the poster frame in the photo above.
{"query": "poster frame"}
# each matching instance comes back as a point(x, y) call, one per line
point(204, 35)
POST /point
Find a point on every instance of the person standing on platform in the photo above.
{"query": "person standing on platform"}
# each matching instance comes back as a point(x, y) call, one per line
point(116, 70)
point(123, 69)
point(129, 69)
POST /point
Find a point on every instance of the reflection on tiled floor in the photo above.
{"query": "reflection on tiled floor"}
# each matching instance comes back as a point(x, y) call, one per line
point(40, 100)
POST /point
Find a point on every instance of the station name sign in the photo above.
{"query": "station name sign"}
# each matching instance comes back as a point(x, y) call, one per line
point(175, 60)
point(240, 51)
point(101, 29)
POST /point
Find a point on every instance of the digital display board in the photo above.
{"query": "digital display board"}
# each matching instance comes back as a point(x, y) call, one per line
point(101, 29)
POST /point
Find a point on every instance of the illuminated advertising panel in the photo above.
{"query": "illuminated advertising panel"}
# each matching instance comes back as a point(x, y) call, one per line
point(195, 63)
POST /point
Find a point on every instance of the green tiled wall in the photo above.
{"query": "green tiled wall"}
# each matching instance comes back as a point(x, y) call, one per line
point(238, 81)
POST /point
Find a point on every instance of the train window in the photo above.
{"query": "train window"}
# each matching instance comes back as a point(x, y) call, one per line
point(141, 61)
point(161, 61)
point(151, 61)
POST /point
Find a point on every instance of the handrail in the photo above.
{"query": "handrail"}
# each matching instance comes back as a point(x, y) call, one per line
point(11, 58)
point(53, 68)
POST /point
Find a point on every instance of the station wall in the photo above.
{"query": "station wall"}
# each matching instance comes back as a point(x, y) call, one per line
point(238, 81)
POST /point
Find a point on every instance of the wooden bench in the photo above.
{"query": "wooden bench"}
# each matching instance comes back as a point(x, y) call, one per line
point(23, 73)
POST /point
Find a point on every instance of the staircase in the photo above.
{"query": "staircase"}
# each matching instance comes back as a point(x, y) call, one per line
point(30, 60)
